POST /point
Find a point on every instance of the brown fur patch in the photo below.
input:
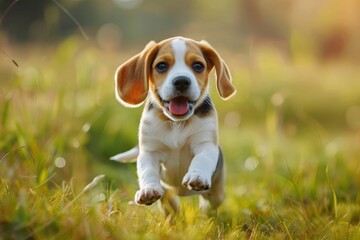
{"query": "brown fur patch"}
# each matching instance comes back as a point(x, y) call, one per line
point(193, 55)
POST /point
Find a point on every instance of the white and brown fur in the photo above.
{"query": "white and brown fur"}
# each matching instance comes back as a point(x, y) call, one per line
point(177, 155)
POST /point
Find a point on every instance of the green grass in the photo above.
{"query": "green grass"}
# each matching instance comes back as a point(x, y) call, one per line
point(291, 138)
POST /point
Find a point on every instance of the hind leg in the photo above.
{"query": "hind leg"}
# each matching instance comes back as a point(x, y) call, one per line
point(213, 198)
point(170, 204)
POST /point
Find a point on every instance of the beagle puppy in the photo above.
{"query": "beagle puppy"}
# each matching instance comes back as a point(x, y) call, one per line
point(178, 152)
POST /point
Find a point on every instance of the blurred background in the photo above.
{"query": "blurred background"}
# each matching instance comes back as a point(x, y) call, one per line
point(325, 30)
point(294, 63)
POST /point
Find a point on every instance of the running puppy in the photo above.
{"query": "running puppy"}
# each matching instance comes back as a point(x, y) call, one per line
point(178, 152)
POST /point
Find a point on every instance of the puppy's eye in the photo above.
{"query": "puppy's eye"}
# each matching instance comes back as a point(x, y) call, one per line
point(198, 67)
point(161, 67)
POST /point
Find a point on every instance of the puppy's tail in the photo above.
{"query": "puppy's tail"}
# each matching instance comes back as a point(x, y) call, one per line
point(128, 156)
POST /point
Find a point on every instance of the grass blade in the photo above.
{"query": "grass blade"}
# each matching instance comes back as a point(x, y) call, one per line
point(5, 111)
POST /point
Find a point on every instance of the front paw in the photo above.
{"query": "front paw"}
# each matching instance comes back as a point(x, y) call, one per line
point(149, 195)
point(196, 181)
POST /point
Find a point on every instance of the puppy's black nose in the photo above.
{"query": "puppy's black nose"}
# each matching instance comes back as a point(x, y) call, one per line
point(181, 83)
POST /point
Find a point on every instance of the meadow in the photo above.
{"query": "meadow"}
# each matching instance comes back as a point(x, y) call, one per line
point(290, 137)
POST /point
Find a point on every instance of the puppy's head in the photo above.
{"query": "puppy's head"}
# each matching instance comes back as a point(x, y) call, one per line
point(175, 72)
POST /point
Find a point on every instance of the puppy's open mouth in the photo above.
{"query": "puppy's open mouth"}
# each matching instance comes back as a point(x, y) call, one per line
point(179, 106)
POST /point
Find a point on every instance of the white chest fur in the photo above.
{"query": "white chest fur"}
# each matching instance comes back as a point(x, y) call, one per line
point(175, 144)
point(160, 135)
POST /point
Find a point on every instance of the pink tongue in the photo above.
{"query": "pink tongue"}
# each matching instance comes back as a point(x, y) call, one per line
point(179, 106)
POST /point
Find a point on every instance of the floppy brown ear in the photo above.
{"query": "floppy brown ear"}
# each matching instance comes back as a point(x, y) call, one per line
point(223, 77)
point(131, 78)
